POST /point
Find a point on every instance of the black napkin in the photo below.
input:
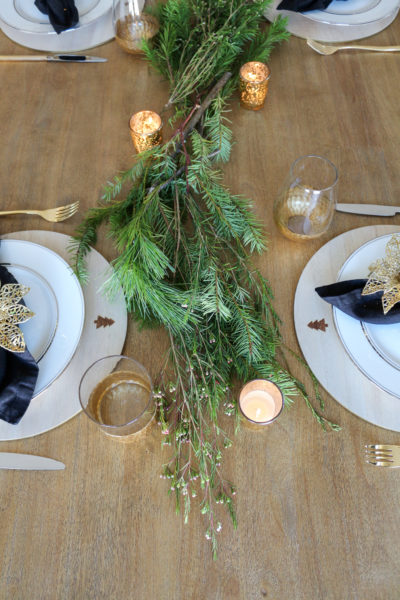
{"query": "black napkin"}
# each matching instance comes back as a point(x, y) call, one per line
point(303, 5)
point(346, 296)
point(18, 375)
point(63, 14)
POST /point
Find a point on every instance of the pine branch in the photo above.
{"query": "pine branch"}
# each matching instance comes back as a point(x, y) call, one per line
point(185, 245)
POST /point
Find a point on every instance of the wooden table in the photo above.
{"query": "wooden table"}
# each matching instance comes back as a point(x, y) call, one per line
point(315, 522)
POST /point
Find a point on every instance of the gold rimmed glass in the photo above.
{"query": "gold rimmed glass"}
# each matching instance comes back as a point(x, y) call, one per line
point(116, 393)
point(132, 25)
point(306, 204)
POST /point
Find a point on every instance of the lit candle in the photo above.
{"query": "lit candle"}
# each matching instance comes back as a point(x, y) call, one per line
point(254, 77)
point(146, 130)
point(260, 402)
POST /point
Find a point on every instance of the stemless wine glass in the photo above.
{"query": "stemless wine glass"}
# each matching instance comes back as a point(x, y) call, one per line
point(117, 394)
point(306, 204)
point(132, 25)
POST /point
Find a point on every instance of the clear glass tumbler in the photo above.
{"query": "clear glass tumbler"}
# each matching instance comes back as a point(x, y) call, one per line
point(116, 393)
point(305, 205)
point(132, 24)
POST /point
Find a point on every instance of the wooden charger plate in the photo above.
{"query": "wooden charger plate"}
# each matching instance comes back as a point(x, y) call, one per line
point(323, 350)
point(59, 402)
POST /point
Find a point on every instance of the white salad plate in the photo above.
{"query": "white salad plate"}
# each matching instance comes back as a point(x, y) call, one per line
point(340, 21)
point(375, 349)
point(354, 12)
point(323, 348)
point(22, 22)
point(55, 297)
point(59, 402)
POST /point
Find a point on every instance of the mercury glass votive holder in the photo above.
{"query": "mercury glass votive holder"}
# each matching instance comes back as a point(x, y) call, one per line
point(260, 403)
point(146, 130)
point(253, 84)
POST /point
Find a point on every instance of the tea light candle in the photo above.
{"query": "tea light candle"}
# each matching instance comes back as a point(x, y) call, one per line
point(260, 401)
point(254, 77)
point(146, 130)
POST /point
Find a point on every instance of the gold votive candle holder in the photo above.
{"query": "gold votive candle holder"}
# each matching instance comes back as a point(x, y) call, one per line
point(260, 403)
point(253, 86)
point(146, 130)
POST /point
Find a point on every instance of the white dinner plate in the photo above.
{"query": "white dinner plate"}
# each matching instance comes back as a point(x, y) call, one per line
point(59, 402)
point(22, 22)
point(355, 12)
point(375, 349)
point(24, 16)
point(33, 17)
point(55, 297)
point(341, 21)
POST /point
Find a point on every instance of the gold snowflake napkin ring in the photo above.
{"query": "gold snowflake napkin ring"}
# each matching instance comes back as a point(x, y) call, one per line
point(11, 314)
point(385, 276)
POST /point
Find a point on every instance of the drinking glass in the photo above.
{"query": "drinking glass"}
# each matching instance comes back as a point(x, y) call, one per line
point(132, 25)
point(117, 394)
point(306, 204)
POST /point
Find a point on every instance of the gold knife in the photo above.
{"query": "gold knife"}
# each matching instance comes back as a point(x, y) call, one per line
point(375, 210)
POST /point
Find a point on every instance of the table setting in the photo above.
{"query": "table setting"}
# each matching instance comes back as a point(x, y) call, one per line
point(211, 277)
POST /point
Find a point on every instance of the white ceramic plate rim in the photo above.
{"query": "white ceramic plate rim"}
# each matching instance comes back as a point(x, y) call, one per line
point(71, 40)
point(350, 7)
point(378, 12)
point(13, 19)
point(28, 7)
point(68, 292)
point(354, 334)
point(301, 26)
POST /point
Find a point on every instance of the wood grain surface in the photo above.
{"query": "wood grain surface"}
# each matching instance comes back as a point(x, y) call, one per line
point(315, 522)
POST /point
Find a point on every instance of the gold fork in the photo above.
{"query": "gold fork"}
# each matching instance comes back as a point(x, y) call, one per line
point(382, 455)
point(327, 49)
point(55, 215)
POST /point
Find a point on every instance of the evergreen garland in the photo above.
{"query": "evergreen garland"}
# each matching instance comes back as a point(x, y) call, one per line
point(185, 244)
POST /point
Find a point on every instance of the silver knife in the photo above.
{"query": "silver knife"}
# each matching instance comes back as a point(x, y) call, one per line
point(83, 58)
point(29, 462)
point(377, 210)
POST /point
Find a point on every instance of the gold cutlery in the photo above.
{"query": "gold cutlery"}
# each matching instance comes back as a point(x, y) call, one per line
point(382, 455)
point(55, 215)
point(327, 49)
